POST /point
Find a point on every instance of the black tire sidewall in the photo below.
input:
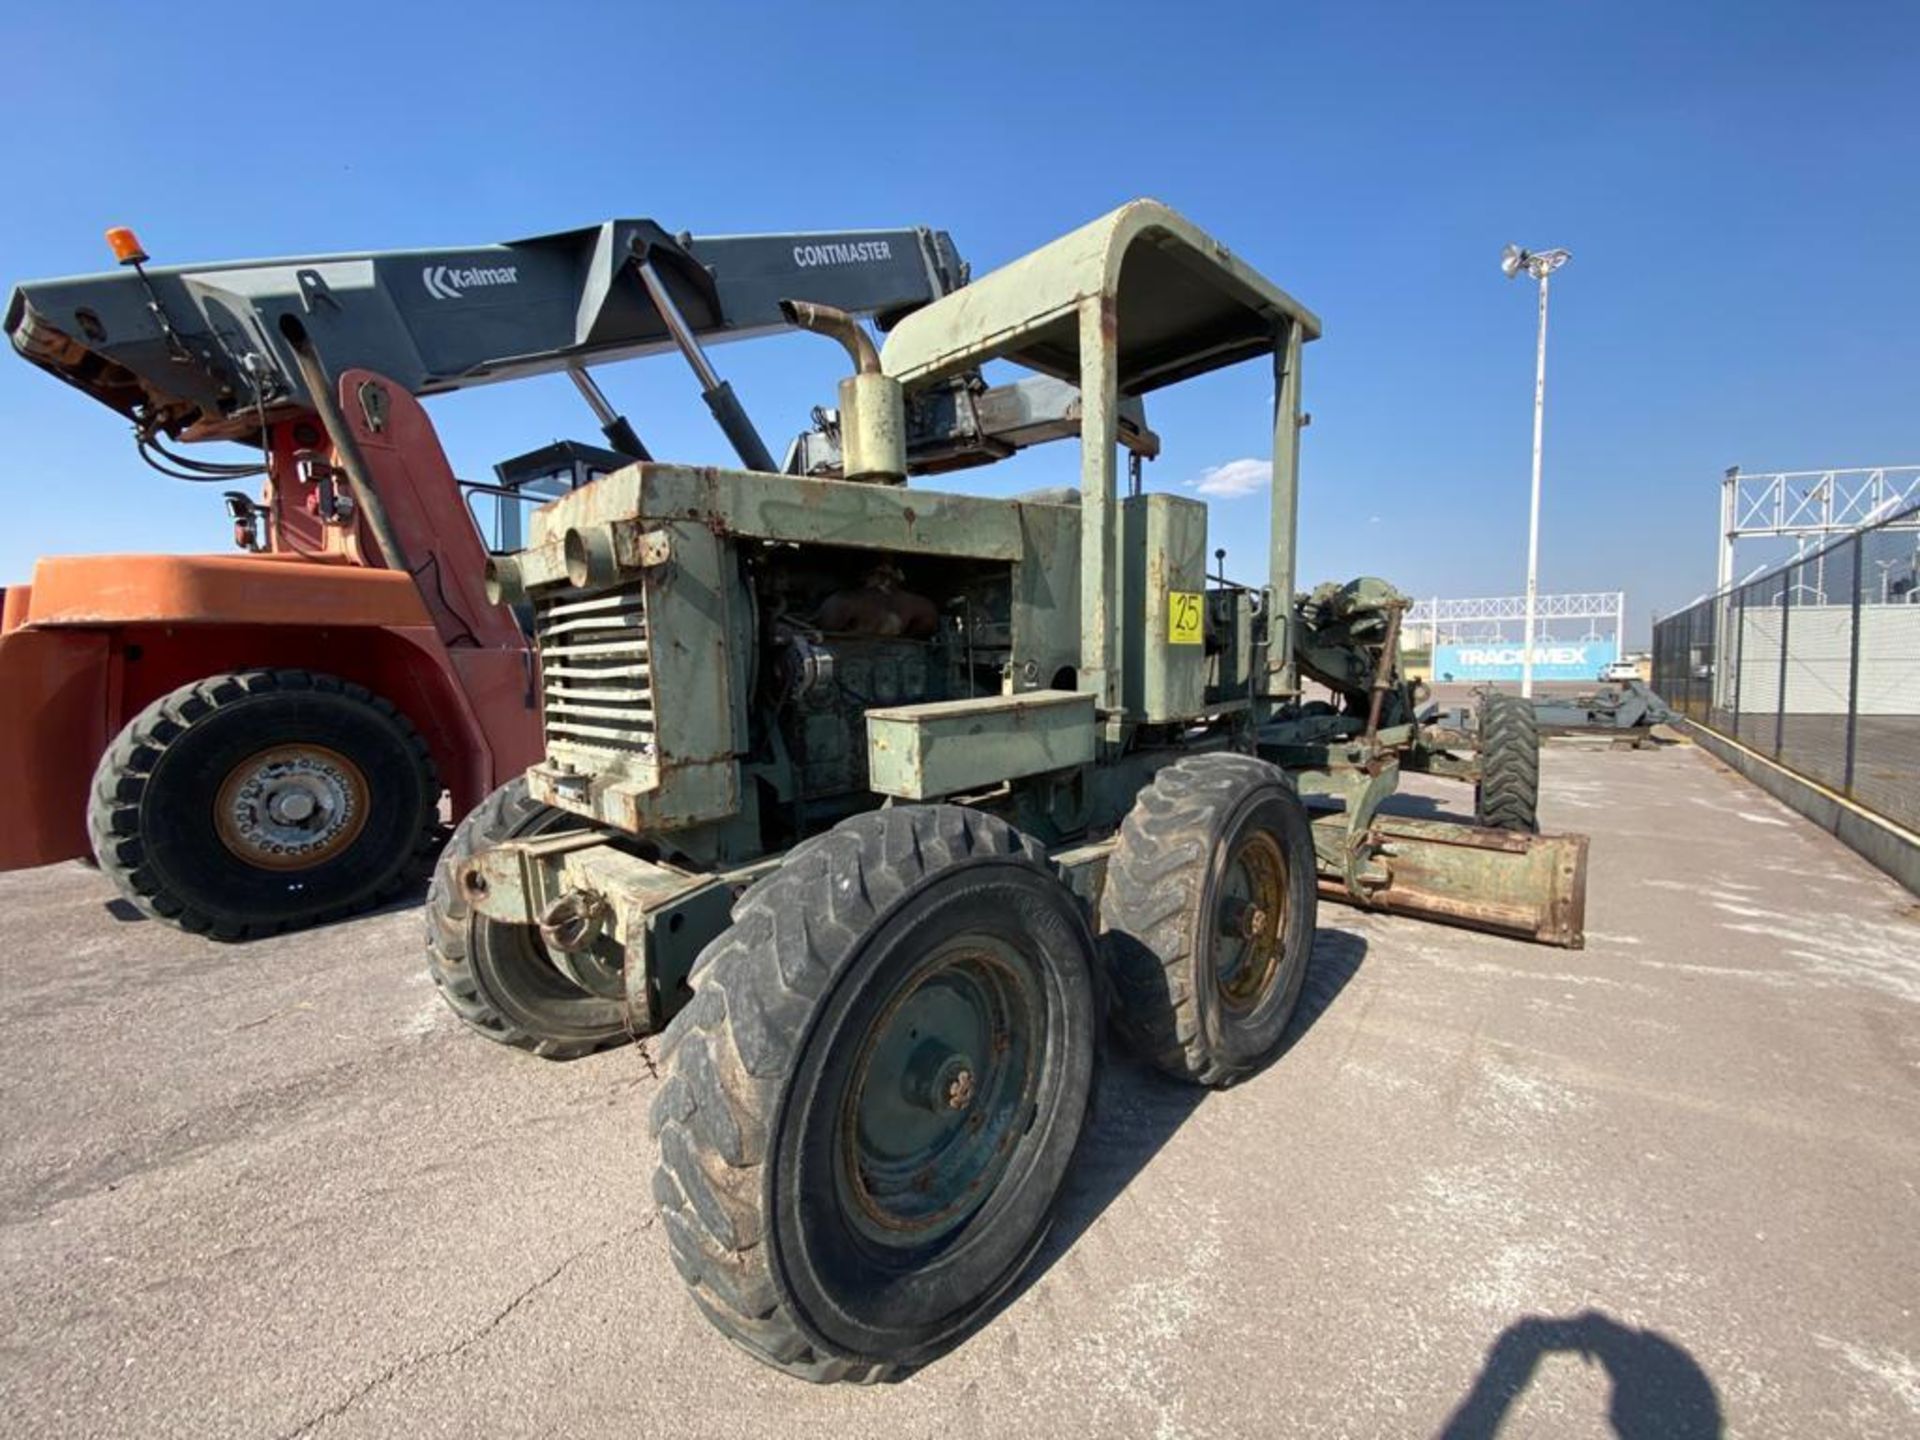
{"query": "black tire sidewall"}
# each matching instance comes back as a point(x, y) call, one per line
point(1241, 1040)
point(920, 1308)
point(511, 971)
point(183, 852)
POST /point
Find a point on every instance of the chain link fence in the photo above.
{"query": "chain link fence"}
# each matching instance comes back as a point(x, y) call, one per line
point(1816, 664)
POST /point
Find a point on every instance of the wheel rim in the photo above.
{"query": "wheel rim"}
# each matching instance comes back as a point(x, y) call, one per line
point(1250, 918)
point(291, 807)
point(940, 1093)
point(522, 979)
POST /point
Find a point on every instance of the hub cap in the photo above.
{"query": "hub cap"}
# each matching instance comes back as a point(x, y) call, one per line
point(291, 807)
point(1250, 917)
point(945, 1076)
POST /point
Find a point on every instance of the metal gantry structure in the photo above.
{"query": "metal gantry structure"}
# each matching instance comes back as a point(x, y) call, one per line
point(1811, 505)
point(1449, 619)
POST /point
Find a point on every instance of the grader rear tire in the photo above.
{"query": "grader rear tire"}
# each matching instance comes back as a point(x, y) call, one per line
point(877, 1090)
point(1208, 912)
point(496, 977)
point(1508, 794)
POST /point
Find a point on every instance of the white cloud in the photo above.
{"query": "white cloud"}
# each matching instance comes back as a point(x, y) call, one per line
point(1234, 479)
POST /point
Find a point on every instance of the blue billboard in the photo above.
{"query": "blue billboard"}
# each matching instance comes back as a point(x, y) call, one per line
point(1500, 660)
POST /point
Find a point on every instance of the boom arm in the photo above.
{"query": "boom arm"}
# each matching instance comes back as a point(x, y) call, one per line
point(202, 352)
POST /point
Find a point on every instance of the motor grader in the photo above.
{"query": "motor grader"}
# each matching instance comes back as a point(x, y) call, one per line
point(874, 801)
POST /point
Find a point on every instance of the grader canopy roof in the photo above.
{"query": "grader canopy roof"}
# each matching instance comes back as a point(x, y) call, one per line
point(1138, 299)
point(1184, 304)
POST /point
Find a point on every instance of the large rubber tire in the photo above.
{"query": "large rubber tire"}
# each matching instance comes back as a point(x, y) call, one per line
point(1507, 796)
point(1199, 1004)
point(496, 977)
point(769, 1208)
point(160, 829)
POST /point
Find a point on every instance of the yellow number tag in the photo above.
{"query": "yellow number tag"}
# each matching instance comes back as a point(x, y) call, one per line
point(1183, 617)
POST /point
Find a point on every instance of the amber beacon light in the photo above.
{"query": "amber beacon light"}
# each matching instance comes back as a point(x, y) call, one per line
point(125, 246)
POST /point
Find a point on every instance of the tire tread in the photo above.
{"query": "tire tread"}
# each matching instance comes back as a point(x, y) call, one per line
point(728, 1053)
point(508, 813)
point(1508, 795)
point(124, 771)
point(1155, 879)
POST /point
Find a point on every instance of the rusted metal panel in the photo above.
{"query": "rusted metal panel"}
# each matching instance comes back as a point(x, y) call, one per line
point(1163, 598)
point(921, 752)
point(651, 743)
point(582, 893)
point(1531, 887)
point(1046, 586)
point(839, 512)
point(787, 508)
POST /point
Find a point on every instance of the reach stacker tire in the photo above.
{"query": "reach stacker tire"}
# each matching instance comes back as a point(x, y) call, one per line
point(262, 800)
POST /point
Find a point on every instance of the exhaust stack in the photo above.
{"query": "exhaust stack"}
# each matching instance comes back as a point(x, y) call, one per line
point(873, 407)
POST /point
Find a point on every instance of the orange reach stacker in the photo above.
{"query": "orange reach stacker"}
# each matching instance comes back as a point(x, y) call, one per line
point(247, 742)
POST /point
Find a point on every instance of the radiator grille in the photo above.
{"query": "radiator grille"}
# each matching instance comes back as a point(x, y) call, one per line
point(596, 670)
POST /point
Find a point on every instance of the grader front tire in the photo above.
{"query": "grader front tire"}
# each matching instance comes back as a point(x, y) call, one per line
point(874, 1097)
point(496, 977)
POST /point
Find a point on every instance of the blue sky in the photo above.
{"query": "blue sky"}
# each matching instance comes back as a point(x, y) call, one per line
point(1739, 183)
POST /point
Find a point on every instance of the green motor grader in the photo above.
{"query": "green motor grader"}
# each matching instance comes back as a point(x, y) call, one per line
point(875, 802)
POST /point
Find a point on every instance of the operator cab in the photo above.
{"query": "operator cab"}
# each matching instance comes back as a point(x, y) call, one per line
point(528, 481)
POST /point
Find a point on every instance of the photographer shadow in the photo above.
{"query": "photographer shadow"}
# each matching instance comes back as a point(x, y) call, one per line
point(1659, 1390)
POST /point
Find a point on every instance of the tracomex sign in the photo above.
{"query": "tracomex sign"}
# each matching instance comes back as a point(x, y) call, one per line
point(1496, 660)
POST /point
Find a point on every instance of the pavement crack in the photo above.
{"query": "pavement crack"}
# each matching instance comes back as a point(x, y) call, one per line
point(271, 1015)
point(410, 1363)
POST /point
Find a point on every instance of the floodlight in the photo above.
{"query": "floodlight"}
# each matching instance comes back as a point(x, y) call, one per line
point(1537, 263)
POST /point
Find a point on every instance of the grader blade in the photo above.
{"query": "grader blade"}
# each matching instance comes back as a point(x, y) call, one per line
point(1530, 887)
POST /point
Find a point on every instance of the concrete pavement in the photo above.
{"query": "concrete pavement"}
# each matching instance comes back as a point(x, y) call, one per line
point(1663, 1186)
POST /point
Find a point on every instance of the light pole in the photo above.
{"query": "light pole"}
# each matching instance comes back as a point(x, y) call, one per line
point(1539, 264)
